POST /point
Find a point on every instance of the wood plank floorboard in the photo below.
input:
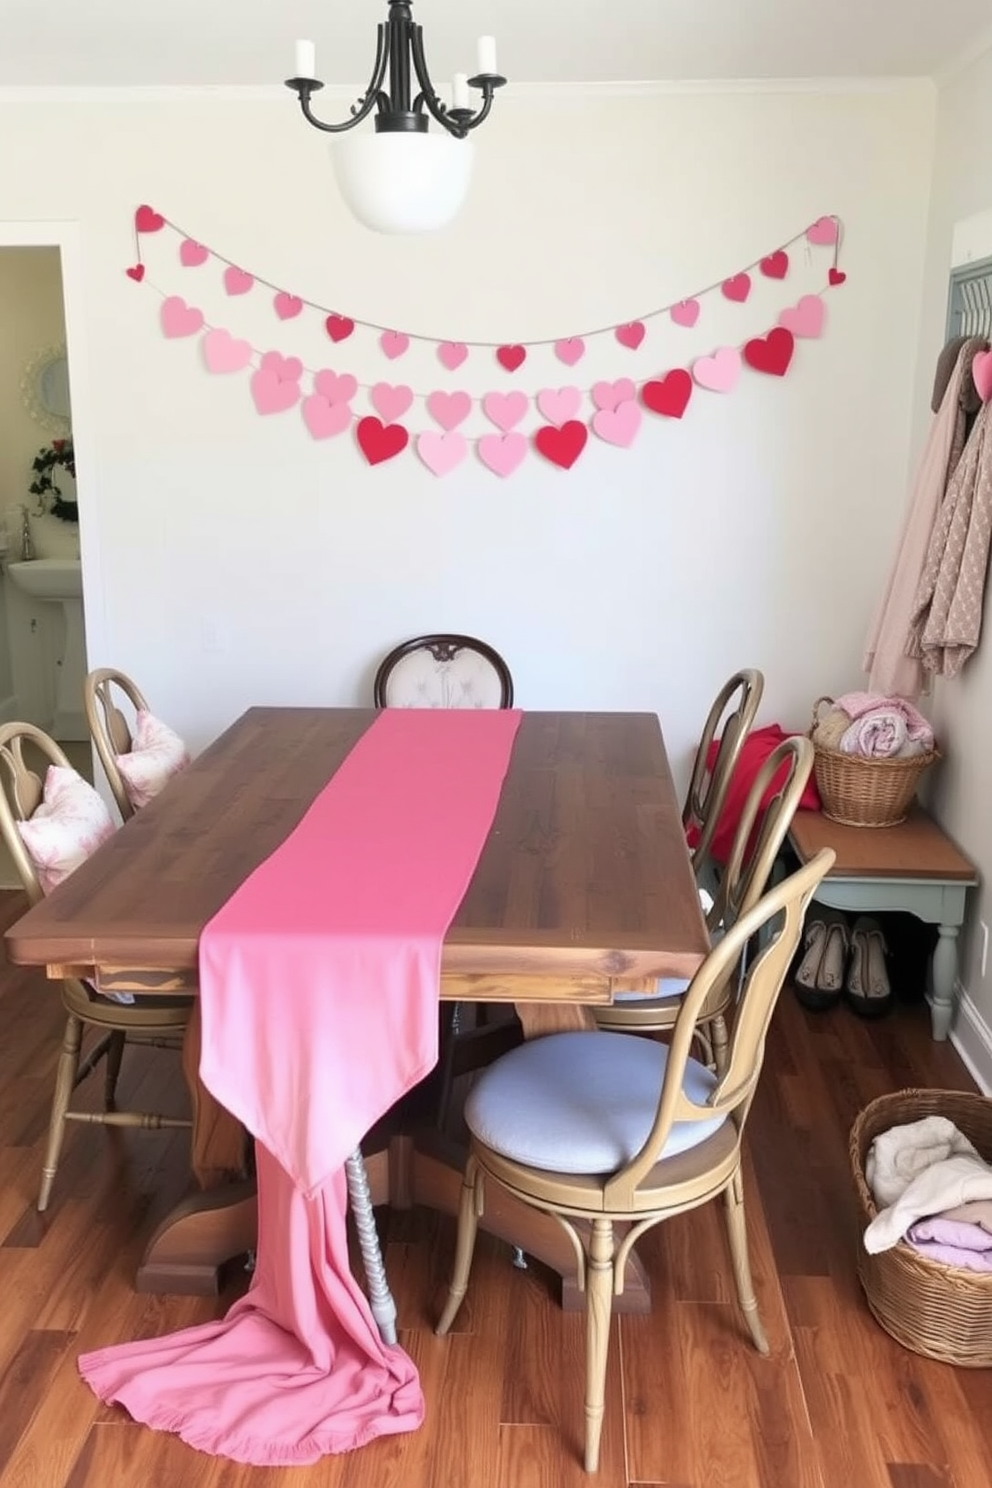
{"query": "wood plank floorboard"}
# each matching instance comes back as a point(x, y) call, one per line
point(690, 1404)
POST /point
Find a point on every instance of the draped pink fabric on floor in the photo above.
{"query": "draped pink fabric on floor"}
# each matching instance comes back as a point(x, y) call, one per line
point(319, 984)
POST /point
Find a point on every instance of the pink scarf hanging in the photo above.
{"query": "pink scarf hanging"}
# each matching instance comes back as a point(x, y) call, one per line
point(319, 983)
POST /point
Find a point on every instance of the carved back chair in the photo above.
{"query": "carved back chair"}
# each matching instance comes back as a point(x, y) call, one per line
point(110, 727)
point(736, 705)
point(443, 671)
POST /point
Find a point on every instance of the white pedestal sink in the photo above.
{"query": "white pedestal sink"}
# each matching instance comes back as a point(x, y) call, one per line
point(60, 581)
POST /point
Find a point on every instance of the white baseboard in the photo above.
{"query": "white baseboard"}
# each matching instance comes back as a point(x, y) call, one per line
point(972, 1038)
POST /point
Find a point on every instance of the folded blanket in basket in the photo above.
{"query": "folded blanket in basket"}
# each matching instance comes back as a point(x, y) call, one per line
point(953, 1243)
point(857, 704)
point(896, 1156)
point(956, 1180)
point(881, 734)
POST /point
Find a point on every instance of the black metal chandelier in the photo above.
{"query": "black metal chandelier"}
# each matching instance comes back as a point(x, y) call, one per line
point(401, 173)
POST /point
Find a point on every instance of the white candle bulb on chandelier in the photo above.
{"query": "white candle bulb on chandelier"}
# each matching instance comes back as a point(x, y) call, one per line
point(306, 60)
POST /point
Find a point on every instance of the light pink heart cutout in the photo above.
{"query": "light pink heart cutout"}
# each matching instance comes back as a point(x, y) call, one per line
point(823, 232)
point(504, 410)
point(237, 281)
point(180, 319)
point(442, 452)
point(390, 402)
point(558, 405)
point(287, 369)
point(719, 372)
point(570, 350)
point(451, 354)
point(336, 387)
point(324, 418)
point(806, 318)
point(685, 313)
point(192, 253)
point(222, 353)
point(502, 453)
point(611, 394)
point(449, 409)
point(630, 335)
point(618, 425)
point(287, 306)
point(394, 344)
point(981, 372)
point(272, 393)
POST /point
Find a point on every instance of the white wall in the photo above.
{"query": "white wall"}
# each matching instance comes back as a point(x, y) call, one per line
point(229, 560)
point(961, 226)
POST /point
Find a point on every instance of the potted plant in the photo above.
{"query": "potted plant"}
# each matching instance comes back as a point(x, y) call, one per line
point(51, 461)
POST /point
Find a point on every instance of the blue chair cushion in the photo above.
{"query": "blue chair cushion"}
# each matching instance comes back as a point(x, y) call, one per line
point(582, 1102)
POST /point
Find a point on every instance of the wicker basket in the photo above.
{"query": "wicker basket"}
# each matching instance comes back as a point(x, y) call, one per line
point(865, 792)
point(943, 1312)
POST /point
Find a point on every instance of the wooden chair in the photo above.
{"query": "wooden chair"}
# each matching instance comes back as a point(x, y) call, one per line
point(159, 1020)
point(599, 1129)
point(110, 728)
point(760, 834)
point(443, 671)
point(736, 704)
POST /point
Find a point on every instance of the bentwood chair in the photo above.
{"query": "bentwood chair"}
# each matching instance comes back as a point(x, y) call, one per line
point(110, 728)
point(158, 1020)
point(736, 705)
point(768, 811)
point(443, 671)
point(598, 1129)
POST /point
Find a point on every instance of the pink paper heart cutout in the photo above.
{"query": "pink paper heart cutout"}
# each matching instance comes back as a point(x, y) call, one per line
point(806, 318)
point(339, 327)
point(618, 425)
point(136, 272)
point(504, 410)
point(630, 335)
point(335, 387)
point(823, 232)
point(685, 313)
point(393, 344)
point(287, 369)
point(192, 253)
point(272, 393)
point(558, 405)
point(379, 442)
point(287, 306)
point(451, 354)
point(570, 350)
point(981, 372)
point(237, 281)
point(449, 409)
point(737, 288)
point(502, 453)
point(511, 357)
point(147, 220)
point(719, 372)
point(222, 353)
point(324, 418)
point(180, 319)
point(611, 394)
point(391, 402)
point(441, 452)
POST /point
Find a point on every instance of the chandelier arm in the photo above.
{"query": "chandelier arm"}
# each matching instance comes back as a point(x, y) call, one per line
point(487, 103)
point(428, 95)
point(372, 96)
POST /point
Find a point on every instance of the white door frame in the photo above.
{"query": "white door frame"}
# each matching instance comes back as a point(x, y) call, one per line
point(67, 237)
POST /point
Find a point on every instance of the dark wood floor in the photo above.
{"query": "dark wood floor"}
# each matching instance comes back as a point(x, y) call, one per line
point(690, 1404)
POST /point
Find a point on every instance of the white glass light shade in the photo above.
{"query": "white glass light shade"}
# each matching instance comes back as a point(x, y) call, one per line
point(402, 183)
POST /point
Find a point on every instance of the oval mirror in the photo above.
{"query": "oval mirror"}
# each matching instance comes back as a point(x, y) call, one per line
point(45, 388)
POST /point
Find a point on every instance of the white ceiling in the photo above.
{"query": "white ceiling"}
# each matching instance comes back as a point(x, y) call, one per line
point(136, 42)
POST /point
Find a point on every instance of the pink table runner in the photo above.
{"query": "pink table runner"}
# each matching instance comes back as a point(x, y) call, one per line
point(319, 983)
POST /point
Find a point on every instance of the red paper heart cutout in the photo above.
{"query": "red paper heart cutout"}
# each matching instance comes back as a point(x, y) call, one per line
point(146, 219)
point(776, 265)
point(669, 397)
point(511, 357)
point(339, 327)
point(836, 276)
point(379, 441)
point(771, 353)
point(738, 288)
point(562, 446)
point(136, 272)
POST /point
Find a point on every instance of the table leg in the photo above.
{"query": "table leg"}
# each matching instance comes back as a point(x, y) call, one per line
point(945, 976)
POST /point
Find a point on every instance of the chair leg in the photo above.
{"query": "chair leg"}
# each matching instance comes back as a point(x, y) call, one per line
point(599, 1303)
point(733, 1198)
point(468, 1223)
point(115, 1053)
point(65, 1080)
point(718, 1036)
point(360, 1200)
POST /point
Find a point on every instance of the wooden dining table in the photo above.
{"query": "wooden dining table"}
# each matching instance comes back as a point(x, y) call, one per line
point(584, 888)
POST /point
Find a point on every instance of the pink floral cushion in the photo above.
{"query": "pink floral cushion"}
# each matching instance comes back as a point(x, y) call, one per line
point(156, 754)
point(66, 828)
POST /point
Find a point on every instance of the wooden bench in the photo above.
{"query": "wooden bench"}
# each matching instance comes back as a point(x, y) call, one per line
point(914, 867)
